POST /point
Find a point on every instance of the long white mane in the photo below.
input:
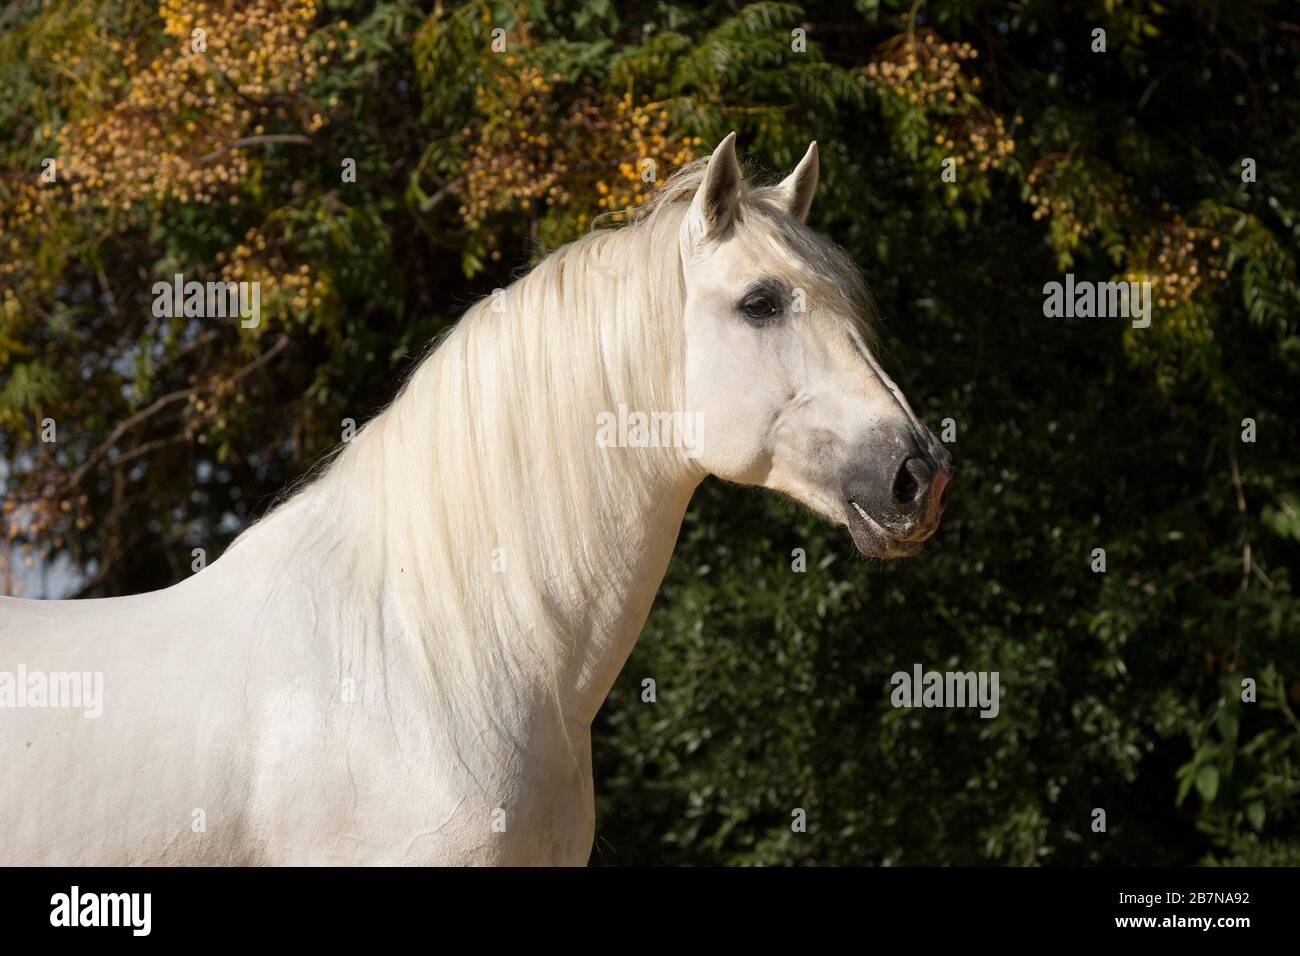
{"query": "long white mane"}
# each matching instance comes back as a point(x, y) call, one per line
point(401, 663)
point(469, 510)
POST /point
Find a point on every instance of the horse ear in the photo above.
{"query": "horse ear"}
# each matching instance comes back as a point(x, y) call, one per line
point(795, 192)
point(715, 202)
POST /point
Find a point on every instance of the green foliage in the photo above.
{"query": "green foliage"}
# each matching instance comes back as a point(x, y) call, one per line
point(1121, 690)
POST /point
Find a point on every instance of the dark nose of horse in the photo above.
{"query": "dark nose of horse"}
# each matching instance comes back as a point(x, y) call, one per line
point(919, 484)
point(898, 482)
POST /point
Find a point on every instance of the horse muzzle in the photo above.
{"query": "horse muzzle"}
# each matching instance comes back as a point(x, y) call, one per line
point(894, 501)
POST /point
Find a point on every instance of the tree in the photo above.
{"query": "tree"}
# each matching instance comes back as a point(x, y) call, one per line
point(375, 167)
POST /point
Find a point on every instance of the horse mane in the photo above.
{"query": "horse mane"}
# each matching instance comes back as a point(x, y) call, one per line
point(468, 511)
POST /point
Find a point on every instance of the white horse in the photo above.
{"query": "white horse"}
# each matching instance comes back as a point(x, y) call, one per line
point(401, 663)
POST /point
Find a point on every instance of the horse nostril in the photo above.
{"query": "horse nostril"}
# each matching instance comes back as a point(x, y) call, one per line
point(906, 486)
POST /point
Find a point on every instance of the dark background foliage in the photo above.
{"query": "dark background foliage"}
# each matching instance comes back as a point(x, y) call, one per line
point(1122, 690)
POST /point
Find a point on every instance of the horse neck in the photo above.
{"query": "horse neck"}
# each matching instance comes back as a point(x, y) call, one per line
point(521, 558)
point(636, 540)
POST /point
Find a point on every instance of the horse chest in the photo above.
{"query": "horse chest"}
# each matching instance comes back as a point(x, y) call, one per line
point(363, 795)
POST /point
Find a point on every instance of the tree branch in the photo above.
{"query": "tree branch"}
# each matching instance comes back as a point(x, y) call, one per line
point(256, 141)
point(157, 406)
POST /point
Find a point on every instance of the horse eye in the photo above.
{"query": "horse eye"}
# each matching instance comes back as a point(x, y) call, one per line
point(760, 306)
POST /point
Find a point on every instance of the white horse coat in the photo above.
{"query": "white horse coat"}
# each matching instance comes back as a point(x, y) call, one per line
point(400, 664)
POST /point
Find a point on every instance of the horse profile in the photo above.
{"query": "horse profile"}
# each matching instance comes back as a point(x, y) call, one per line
point(400, 664)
